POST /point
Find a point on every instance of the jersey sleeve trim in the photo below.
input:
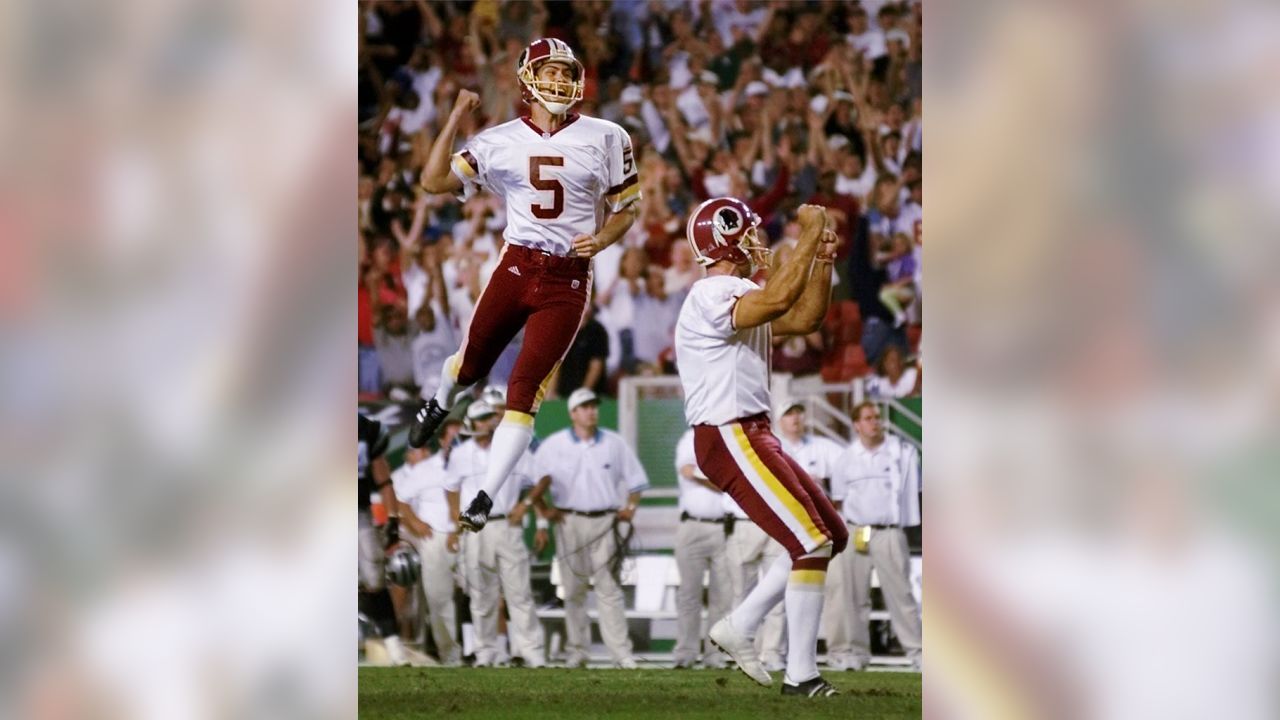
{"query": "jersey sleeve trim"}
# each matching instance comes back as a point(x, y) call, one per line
point(464, 163)
point(623, 194)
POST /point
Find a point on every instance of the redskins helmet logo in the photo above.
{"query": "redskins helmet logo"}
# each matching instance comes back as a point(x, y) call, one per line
point(727, 221)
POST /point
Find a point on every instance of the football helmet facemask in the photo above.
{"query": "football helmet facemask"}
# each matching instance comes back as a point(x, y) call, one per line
point(556, 97)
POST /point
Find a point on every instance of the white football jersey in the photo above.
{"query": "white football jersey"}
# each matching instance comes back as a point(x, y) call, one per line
point(557, 185)
point(724, 371)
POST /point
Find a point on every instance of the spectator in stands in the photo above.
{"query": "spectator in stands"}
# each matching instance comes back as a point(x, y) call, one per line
point(683, 271)
point(618, 308)
point(655, 323)
point(894, 378)
point(394, 343)
point(898, 291)
point(584, 364)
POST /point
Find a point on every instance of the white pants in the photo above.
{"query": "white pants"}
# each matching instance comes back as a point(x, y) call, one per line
point(584, 546)
point(751, 551)
point(849, 585)
point(700, 547)
point(435, 606)
point(497, 558)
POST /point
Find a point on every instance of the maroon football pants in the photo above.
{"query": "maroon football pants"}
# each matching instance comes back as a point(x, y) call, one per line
point(547, 295)
point(744, 459)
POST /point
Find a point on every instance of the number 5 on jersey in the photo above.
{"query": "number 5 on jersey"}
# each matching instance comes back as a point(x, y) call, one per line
point(551, 184)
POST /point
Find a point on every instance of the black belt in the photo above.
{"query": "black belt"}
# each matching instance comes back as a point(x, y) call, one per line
point(715, 521)
point(590, 513)
point(850, 523)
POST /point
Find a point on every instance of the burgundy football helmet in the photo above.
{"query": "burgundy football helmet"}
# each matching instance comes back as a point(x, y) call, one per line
point(557, 98)
point(724, 228)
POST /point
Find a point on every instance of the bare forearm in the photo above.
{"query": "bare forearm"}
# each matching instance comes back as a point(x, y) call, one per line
point(435, 176)
point(616, 226)
point(788, 281)
point(811, 308)
point(451, 496)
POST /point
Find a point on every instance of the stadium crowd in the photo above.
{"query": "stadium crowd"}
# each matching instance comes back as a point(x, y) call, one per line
point(777, 103)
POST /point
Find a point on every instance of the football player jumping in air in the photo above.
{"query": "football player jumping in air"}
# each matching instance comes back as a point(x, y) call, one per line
point(570, 186)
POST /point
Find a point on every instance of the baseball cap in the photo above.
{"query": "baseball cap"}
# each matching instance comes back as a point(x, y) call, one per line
point(632, 94)
point(899, 35)
point(842, 96)
point(706, 76)
point(793, 78)
point(755, 87)
point(582, 396)
point(479, 410)
point(818, 104)
point(838, 141)
point(786, 406)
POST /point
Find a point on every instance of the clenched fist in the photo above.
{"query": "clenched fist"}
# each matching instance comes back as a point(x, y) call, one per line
point(466, 102)
point(811, 216)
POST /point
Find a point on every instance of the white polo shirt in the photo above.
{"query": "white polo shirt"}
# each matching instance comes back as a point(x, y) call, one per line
point(879, 486)
point(468, 464)
point(817, 455)
point(422, 485)
point(589, 475)
point(695, 498)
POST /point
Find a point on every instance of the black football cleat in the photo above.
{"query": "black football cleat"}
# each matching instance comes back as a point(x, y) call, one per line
point(477, 513)
point(816, 687)
point(425, 424)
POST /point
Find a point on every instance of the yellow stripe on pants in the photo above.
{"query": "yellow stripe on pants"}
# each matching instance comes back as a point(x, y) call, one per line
point(776, 487)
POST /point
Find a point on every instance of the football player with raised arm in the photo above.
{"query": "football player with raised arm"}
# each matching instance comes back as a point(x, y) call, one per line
point(570, 186)
point(723, 346)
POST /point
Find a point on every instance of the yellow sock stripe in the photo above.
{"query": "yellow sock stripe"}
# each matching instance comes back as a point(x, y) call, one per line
point(519, 418)
point(808, 577)
point(775, 486)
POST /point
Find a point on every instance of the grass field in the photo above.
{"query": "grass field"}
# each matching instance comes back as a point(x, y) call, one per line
point(559, 694)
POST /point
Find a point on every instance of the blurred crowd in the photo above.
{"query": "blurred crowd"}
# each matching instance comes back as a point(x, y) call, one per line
point(777, 103)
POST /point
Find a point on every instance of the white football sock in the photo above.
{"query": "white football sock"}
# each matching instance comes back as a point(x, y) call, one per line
point(767, 593)
point(448, 391)
point(804, 599)
point(510, 441)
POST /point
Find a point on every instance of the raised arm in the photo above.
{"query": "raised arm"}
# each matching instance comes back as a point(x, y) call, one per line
point(806, 316)
point(784, 288)
point(437, 176)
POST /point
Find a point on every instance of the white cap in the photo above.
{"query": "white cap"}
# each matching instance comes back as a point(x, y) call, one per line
point(581, 396)
point(838, 141)
point(842, 96)
point(707, 76)
point(480, 409)
point(818, 104)
point(771, 77)
point(900, 36)
point(786, 406)
point(794, 78)
point(755, 87)
point(632, 94)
